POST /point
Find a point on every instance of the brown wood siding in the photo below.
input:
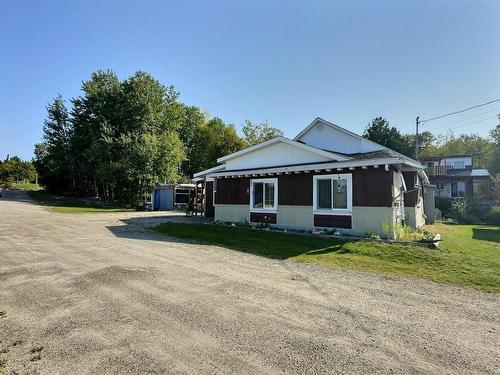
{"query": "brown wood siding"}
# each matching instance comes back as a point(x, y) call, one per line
point(261, 217)
point(233, 191)
point(411, 198)
point(209, 199)
point(295, 190)
point(333, 221)
point(371, 187)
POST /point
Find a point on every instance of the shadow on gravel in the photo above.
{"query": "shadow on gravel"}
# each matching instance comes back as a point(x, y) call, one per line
point(141, 227)
point(16, 196)
point(270, 244)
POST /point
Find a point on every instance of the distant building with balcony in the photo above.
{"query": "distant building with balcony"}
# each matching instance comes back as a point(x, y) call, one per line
point(455, 176)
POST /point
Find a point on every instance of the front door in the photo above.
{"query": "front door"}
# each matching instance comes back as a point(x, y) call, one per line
point(454, 189)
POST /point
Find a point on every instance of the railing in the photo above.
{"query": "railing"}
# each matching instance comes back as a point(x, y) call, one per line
point(436, 171)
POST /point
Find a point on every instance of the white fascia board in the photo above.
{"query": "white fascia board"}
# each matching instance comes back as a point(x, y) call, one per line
point(312, 167)
point(274, 140)
point(411, 162)
point(207, 171)
point(423, 176)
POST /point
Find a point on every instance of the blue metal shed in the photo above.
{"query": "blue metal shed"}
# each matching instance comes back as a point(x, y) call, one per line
point(163, 198)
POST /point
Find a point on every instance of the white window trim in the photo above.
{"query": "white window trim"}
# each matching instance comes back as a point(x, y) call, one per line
point(265, 180)
point(335, 211)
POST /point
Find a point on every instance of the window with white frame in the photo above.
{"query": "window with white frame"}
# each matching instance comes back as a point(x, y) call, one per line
point(264, 194)
point(332, 193)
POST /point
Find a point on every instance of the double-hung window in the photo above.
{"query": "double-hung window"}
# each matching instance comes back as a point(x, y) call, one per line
point(332, 194)
point(264, 194)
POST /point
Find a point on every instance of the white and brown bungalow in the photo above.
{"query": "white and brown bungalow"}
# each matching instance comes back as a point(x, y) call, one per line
point(326, 177)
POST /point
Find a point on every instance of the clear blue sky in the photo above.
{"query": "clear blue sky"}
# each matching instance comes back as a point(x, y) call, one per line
point(284, 61)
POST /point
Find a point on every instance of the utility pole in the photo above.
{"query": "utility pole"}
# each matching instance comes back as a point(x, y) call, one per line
point(417, 122)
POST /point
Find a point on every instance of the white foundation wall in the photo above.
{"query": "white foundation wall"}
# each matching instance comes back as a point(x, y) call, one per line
point(370, 219)
point(232, 212)
point(299, 217)
point(364, 219)
point(415, 217)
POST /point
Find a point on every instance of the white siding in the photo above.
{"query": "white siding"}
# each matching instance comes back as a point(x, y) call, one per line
point(459, 162)
point(327, 138)
point(274, 155)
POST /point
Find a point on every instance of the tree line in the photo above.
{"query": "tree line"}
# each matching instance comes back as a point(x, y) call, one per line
point(120, 138)
point(485, 151)
point(13, 169)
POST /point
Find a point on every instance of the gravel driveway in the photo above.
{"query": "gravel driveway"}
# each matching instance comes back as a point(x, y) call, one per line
point(96, 294)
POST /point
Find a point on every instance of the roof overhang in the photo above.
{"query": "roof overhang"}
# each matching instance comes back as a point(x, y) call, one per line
point(361, 163)
point(201, 174)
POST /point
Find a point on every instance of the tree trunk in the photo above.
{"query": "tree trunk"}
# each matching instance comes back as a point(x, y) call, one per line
point(96, 188)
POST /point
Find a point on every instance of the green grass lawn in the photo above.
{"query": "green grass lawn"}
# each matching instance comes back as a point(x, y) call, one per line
point(26, 186)
point(67, 205)
point(469, 255)
point(22, 186)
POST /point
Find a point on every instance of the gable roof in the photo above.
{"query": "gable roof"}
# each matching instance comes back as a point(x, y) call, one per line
point(378, 155)
point(303, 146)
point(319, 120)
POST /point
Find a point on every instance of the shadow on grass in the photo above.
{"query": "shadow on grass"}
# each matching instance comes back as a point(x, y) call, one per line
point(486, 234)
point(256, 241)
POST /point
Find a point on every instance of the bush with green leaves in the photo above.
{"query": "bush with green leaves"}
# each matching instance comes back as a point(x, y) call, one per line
point(472, 211)
point(458, 209)
point(444, 205)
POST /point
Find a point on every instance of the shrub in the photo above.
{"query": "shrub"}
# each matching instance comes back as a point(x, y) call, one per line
point(458, 209)
point(405, 233)
point(444, 205)
point(494, 217)
point(471, 211)
point(8, 183)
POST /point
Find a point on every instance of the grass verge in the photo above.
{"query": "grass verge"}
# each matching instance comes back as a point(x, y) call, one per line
point(469, 254)
point(68, 205)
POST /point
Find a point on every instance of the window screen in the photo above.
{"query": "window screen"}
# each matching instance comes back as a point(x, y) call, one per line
point(258, 195)
point(324, 194)
point(269, 195)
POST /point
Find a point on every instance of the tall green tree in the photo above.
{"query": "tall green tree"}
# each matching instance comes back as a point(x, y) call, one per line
point(54, 165)
point(258, 133)
point(379, 130)
point(216, 139)
point(494, 162)
point(426, 144)
point(191, 135)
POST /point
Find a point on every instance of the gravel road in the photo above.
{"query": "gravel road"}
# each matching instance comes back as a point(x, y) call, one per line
point(97, 294)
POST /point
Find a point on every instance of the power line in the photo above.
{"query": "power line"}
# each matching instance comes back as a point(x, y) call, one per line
point(469, 123)
point(460, 111)
point(474, 122)
point(467, 119)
